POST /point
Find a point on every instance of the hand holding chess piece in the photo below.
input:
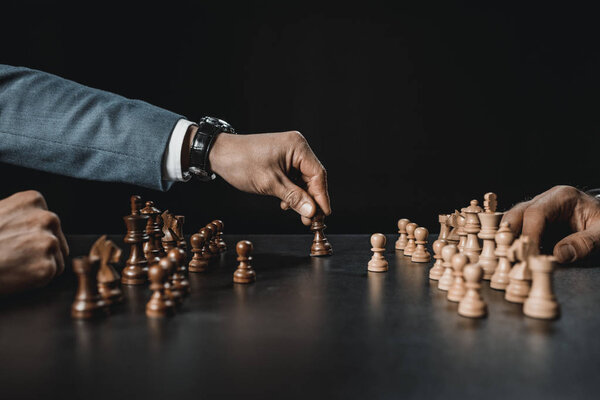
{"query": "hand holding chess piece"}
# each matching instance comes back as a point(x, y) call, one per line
point(244, 272)
point(378, 262)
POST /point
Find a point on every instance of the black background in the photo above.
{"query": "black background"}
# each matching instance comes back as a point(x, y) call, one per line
point(413, 110)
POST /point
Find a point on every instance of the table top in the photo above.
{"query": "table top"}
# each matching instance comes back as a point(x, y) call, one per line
point(308, 327)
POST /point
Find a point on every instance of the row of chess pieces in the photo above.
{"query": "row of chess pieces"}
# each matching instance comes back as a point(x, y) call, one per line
point(158, 254)
point(461, 263)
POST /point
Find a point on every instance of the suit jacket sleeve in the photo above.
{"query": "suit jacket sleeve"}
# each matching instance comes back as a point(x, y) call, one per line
point(59, 126)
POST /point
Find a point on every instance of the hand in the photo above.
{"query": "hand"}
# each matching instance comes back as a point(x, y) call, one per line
point(277, 164)
point(32, 245)
point(561, 204)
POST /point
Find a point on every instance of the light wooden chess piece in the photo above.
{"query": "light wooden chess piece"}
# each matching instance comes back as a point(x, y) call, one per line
point(541, 302)
point(244, 272)
point(458, 288)
point(490, 220)
point(378, 262)
point(421, 255)
point(403, 238)
point(109, 280)
point(160, 305)
point(88, 302)
point(453, 222)
point(447, 279)
point(460, 231)
point(410, 245)
point(436, 272)
point(472, 227)
point(504, 238)
point(472, 305)
point(520, 275)
point(444, 228)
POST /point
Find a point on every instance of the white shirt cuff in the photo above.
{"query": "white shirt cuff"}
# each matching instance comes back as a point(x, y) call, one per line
point(172, 158)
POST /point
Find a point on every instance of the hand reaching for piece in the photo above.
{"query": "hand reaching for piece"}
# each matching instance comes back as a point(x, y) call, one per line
point(277, 164)
point(32, 245)
point(561, 204)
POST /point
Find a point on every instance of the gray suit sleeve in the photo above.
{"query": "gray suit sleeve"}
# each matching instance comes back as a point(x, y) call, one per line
point(56, 125)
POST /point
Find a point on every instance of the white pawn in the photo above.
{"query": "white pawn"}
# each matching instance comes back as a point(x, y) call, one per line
point(458, 288)
point(504, 238)
point(421, 255)
point(402, 239)
point(446, 280)
point(378, 262)
point(411, 245)
point(541, 302)
point(472, 305)
point(435, 273)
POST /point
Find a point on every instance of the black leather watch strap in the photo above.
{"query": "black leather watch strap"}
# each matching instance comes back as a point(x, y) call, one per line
point(208, 129)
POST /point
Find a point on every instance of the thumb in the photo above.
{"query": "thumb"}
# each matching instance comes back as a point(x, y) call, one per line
point(578, 245)
point(296, 198)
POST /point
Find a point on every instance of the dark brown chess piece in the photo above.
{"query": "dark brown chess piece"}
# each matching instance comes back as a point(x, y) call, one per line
point(88, 302)
point(160, 305)
point(320, 245)
point(153, 246)
point(109, 280)
point(179, 232)
point(244, 272)
point(170, 238)
point(198, 263)
point(135, 271)
point(213, 247)
point(178, 279)
point(172, 293)
point(219, 237)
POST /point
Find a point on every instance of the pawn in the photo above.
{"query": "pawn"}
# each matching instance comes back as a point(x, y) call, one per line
point(436, 272)
point(160, 305)
point(402, 239)
point(378, 262)
point(410, 245)
point(447, 279)
point(88, 302)
point(244, 272)
point(213, 247)
point(219, 238)
point(173, 294)
point(541, 302)
point(197, 263)
point(421, 255)
point(320, 245)
point(472, 305)
point(178, 279)
point(458, 289)
point(504, 238)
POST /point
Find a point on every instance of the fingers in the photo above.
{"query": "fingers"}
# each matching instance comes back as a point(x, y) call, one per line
point(295, 198)
point(578, 245)
point(514, 217)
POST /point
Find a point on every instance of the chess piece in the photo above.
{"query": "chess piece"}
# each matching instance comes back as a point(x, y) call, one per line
point(490, 203)
point(213, 247)
point(436, 272)
point(244, 272)
point(378, 262)
point(410, 245)
point(175, 295)
point(444, 228)
point(160, 305)
point(472, 227)
point(504, 238)
point(458, 288)
point(178, 279)
point(447, 278)
point(152, 247)
point(219, 238)
point(320, 245)
point(453, 223)
point(169, 240)
point(490, 220)
point(198, 263)
point(472, 305)
point(421, 255)
point(207, 234)
point(88, 302)
point(402, 239)
point(135, 271)
point(109, 280)
point(541, 302)
point(520, 274)
point(460, 231)
point(181, 242)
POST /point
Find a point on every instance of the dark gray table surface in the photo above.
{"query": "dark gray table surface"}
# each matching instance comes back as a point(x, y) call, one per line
point(308, 328)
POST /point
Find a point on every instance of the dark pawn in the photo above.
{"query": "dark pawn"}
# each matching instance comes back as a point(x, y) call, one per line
point(320, 245)
point(198, 263)
point(179, 281)
point(160, 305)
point(169, 267)
point(219, 237)
point(135, 271)
point(152, 247)
point(181, 242)
point(244, 272)
point(213, 247)
point(88, 302)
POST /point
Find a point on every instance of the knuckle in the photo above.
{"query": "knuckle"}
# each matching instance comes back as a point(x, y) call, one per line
point(44, 271)
point(292, 198)
point(30, 197)
point(533, 212)
point(296, 137)
point(48, 243)
point(565, 190)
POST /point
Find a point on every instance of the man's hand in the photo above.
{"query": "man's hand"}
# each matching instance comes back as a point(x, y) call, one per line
point(32, 245)
point(277, 164)
point(561, 204)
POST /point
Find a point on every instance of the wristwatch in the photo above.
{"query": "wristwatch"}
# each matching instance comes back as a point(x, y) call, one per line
point(208, 129)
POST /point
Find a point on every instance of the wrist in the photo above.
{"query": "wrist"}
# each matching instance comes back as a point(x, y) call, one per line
point(220, 153)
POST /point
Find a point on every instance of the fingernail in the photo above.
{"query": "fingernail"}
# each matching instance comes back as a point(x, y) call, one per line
point(565, 253)
point(306, 210)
